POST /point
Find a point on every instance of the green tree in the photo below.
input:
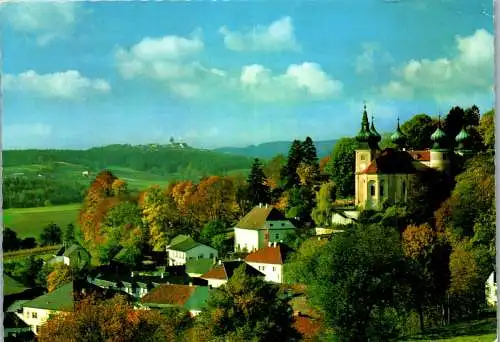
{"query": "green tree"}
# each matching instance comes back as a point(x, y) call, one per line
point(302, 264)
point(10, 240)
point(361, 283)
point(289, 175)
point(342, 166)
point(258, 190)
point(51, 235)
point(301, 201)
point(210, 230)
point(325, 198)
point(418, 131)
point(69, 234)
point(272, 170)
point(487, 129)
point(310, 155)
point(245, 309)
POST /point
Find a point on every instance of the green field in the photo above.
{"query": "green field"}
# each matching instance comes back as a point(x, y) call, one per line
point(483, 330)
point(29, 222)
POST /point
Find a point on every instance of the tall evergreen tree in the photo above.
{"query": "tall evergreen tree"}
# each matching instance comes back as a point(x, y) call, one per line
point(310, 155)
point(289, 174)
point(258, 190)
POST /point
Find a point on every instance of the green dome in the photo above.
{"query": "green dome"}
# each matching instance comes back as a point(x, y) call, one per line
point(375, 136)
point(364, 134)
point(462, 136)
point(398, 137)
point(438, 135)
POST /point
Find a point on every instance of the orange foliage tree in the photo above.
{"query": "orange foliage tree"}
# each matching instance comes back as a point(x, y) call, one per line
point(61, 274)
point(113, 320)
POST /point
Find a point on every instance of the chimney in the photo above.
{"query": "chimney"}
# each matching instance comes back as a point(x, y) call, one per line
point(190, 284)
point(275, 244)
point(270, 244)
point(215, 259)
point(220, 262)
point(266, 205)
point(168, 283)
point(260, 205)
point(161, 275)
point(132, 274)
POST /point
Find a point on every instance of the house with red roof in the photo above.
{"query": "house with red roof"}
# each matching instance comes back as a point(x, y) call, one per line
point(263, 224)
point(270, 261)
point(224, 270)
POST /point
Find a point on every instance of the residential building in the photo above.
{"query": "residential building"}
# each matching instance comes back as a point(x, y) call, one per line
point(190, 297)
point(198, 267)
point(14, 328)
point(224, 270)
point(270, 261)
point(37, 311)
point(74, 255)
point(183, 248)
point(263, 224)
point(14, 291)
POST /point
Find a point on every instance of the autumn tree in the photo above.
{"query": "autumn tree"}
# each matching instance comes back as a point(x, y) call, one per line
point(258, 190)
point(272, 170)
point(115, 319)
point(245, 309)
point(323, 163)
point(342, 166)
point(60, 275)
point(487, 129)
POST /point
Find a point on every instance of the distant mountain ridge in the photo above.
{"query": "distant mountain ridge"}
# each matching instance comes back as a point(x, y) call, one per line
point(270, 149)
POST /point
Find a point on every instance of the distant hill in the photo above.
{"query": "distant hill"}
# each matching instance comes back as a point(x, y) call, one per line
point(155, 162)
point(271, 149)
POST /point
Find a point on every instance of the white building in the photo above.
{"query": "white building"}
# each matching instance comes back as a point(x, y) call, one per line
point(223, 271)
point(183, 248)
point(269, 261)
point(263, 224)
point(491, 290)
point(37, 311)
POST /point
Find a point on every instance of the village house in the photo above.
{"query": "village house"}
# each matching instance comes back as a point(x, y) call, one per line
point(183, 248)
point(263, 224)
point(195, 268)
point(223, 271)
point(190, 297)
point(37, 311)
point(15, 329)
point(74, 255)
point(269, 261)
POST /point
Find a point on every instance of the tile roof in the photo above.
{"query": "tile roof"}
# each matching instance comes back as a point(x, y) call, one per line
point(225, 270)
point(269, 255)
point(258, 216)
point(199, 266)
point(61, 299)
point(421, 155)
point(12, 286)
point(198, 299)
point(391, 161)
point(167, 294)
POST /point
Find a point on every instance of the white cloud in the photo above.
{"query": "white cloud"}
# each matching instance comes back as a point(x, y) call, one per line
point(68, 85)
point(306, 80)
point(25, 135)
point(371, 56)
point(469, 71)
point(278, 36)
point(43, 19)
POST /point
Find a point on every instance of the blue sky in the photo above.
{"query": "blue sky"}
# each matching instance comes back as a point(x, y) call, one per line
point(212, 74)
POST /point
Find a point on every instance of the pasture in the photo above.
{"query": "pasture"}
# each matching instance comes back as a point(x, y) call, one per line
point(29, 222)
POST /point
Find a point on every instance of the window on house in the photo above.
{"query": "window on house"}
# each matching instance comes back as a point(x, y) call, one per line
point(274, 268)
point(277, 236)
point(37, 329)
point(261, 268)
point(362, 157)
point(34, 315)
point(372, 190)
point(211, 255)
point(282, 224)
point(270, 224)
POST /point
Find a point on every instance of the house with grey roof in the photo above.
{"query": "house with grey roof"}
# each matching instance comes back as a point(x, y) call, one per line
point(37, 311)
point(74, 255)
point(262, 225)
point(183, 248)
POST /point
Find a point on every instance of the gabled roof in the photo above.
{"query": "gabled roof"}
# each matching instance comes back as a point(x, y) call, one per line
point(61, 299)
point(187, 296)
point(178, 239)
point(258, 216)
point(269, 255)
point(73, 248)
point(391, 161)
point(199, 266)
point(12, 286)
point(225, 270)
point(184, 245)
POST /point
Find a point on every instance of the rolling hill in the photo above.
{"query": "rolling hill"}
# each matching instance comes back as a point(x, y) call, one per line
point(271, 149)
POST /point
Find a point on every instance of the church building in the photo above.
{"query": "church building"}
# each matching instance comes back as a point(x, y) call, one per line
point(387, 175)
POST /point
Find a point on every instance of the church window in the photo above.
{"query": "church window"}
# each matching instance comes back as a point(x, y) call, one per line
point(362, 157)
point(381, 188)
point(372, 190)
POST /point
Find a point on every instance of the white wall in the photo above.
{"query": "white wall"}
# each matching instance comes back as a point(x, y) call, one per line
point(248, 238)
point(273, 272)
point(177, 258)
point(340, 220)
point(491, 291)
point(41, 316)
point(216, 282)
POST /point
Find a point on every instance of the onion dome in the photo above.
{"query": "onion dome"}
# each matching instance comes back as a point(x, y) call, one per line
point(463, 139)
point(398, 137)
point(439, 137)
point(375, 136)
point(364, 133)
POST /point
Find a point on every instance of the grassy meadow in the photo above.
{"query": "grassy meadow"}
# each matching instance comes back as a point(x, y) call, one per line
point(483, 330)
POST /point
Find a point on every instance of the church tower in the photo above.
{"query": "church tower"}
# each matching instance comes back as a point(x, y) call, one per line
point(440, 153)
point(367, 139)
point(398, 138)
point(464, 147)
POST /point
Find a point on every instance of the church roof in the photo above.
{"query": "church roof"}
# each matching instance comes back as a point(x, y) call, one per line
point(391, 161)
point(423, 156)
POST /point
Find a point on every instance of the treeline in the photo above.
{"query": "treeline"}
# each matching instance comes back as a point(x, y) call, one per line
point(157, 159)
point(25, 192)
